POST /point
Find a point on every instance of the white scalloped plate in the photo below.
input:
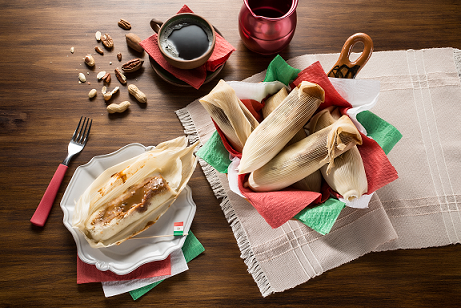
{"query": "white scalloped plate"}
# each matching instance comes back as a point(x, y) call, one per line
point(131, 254)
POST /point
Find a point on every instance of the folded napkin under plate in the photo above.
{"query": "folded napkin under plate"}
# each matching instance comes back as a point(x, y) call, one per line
point(144, 278)
point(87, 273)
point(419, 91)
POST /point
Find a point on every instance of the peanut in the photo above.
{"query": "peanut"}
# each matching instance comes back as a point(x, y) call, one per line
point(89, 60)
point(92, 93)
point(81, 77)
point(100, 75)
point(113, 108)
point(140, 96)
point(108, 95)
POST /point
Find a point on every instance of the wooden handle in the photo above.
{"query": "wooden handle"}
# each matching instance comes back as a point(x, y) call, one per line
point(344, 68)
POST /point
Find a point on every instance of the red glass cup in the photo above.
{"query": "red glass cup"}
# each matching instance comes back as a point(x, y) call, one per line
point(267, 26)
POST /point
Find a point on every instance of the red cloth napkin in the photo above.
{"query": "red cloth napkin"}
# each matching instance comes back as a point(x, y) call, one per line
point(87, 273)
point(280, 206)
point(195, 77)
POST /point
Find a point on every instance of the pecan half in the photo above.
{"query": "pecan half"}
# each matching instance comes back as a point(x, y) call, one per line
point(124, 24)
point(106, 78)
point(107, 41)
point(99, 50)
point(120, 76)
point(132, 65)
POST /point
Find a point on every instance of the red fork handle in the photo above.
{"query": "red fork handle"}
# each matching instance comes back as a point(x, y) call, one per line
point(43, 210)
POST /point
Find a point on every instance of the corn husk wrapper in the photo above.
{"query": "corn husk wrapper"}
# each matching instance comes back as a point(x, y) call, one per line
point(275, 131)
point(230, 114)
point(347, 176)
point(312, 182)
point(273, 102)
point(306, 156)
point(171, 160)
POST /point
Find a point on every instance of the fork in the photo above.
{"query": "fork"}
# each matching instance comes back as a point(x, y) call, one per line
point(76, 145)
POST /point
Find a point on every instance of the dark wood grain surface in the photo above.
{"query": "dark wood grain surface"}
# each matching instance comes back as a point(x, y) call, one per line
point(41, 102)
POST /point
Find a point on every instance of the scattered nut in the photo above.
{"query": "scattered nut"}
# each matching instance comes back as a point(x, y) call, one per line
point(133, 41)
point(81, 77)
point(100, 75)
point(140, 96)
point(132, 65)
point(106, 78)
point(99, 50)
point(124, 24)
point(89, 60)
point(97, 35)
point(119, 56)
point(72, 49)
point(93, 93)
point(107, 41)
point(120, 76)
point(108, 95)
point(113, 108)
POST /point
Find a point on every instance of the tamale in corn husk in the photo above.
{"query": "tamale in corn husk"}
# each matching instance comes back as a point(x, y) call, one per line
point(275, 131)
point(131, 196)
point(306, 156)
point(347, 176)
point(273, 102)
point(230, 114)
point(312, 182)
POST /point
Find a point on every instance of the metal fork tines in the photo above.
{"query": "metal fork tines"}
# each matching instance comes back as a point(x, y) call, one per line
point(76, 145)
point(79, 139)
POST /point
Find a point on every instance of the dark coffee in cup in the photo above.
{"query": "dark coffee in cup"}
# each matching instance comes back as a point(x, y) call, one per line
point(186, 37)
point(186, 40)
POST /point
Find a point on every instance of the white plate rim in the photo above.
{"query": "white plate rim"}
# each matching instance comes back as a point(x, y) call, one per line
point(93, 256)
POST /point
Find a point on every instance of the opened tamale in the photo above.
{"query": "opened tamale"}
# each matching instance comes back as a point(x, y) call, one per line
point(131, 196)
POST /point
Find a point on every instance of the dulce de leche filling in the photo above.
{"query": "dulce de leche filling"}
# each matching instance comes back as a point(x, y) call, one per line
point(135, 198)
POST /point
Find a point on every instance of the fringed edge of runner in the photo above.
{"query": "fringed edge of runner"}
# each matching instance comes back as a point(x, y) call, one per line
point(239, 233)
point(457, 58)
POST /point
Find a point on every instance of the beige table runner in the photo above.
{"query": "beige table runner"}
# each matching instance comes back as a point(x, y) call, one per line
point(420, 95)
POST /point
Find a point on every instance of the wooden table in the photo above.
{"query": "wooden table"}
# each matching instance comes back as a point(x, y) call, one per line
point(41, 102)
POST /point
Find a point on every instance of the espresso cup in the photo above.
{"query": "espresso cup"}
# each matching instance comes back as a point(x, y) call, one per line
point(186, 40)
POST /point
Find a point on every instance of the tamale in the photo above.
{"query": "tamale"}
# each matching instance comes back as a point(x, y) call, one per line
point(230, 114)
point(273, 102)
point(275, 131)
point(129, 197)
point(306, 156)
point(312, 182)
point(347, 176)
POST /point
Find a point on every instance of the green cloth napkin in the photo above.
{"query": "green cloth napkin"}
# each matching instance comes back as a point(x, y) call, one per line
point(279, 70)
point(215, 154)
point(382, 132)
point(321, 218)
point(191, 249)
